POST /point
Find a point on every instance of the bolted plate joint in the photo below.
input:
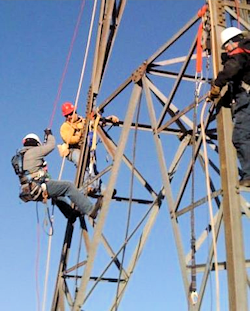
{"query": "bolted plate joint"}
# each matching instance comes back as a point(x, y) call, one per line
point(139, 72)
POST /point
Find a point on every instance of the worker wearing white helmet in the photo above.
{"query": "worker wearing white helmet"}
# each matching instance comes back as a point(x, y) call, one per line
point(35, 181)
point(229, 34)
point(236, 71)
point(31, 138)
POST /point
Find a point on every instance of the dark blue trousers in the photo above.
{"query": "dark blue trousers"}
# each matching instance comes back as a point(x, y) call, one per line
point(241, 132)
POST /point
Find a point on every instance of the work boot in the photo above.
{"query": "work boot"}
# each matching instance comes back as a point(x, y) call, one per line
point(96, 208)
point(245, 182)
point(73, 216)
point(66, 209)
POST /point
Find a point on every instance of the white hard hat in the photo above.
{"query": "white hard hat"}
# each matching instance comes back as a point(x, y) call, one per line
point(228, 34)
point(33, 136)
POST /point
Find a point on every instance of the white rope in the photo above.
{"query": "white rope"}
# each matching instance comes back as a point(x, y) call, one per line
point(86, 54)
point(217, 285)
point(63, 161)
point(83, 68)
point(47, 267)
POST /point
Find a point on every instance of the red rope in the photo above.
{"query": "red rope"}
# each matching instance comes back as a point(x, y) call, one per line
point(37, 266)
point(199, 50)
point(66, 64)
point(200, 13)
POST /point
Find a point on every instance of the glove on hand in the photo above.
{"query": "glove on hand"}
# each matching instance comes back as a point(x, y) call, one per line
point(114, 119)
point(214, 92)
point(47, 132)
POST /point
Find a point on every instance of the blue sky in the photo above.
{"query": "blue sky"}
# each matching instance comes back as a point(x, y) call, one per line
point(35, 39)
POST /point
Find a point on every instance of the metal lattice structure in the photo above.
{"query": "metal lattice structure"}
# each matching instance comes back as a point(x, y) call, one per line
point(154, 112)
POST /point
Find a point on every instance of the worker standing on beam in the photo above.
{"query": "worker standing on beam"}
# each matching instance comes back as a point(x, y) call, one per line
point(236, 71)
point(72, 134)
point(35, 181)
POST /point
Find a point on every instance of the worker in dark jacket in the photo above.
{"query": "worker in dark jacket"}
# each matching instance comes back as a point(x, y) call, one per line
point(236, 71)
point(33, 163)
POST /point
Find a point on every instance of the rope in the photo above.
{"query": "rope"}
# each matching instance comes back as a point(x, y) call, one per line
point(199, 49)
point(217, 285)
point(50, 234)
point(206, 90)
point(210, 201)
point(76, 103)
point(37, 258)
point(193, 289)
point(50, 219)
point(82, 74)
point(198, 84)
point(66, 64)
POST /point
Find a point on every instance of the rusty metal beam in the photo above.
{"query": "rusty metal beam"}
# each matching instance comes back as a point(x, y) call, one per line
point(180, 120)
point(236, 270)
point(79, 300)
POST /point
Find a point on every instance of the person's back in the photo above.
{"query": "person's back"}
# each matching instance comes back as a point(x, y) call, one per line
point(34, 155)
point(244, 46)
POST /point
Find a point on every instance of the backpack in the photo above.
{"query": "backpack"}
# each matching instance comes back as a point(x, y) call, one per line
point(17, 162)
point(32, 190)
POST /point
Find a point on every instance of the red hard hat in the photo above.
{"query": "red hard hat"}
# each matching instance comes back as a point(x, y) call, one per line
point(67, 108)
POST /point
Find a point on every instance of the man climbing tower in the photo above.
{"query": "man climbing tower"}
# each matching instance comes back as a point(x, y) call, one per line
point(72, 134)
point(236, 71)
point(36, 184)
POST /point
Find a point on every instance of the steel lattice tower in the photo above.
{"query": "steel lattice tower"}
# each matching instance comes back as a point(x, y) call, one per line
point(153, 113)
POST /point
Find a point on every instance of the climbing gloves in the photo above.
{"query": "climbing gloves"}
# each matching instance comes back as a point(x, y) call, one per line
point(214, 92)
point(47, 132)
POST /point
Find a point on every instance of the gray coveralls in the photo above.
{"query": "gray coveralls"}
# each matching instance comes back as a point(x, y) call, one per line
point(58, 190)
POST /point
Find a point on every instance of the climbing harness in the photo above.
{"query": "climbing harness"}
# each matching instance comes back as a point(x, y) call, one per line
point(32, 186)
